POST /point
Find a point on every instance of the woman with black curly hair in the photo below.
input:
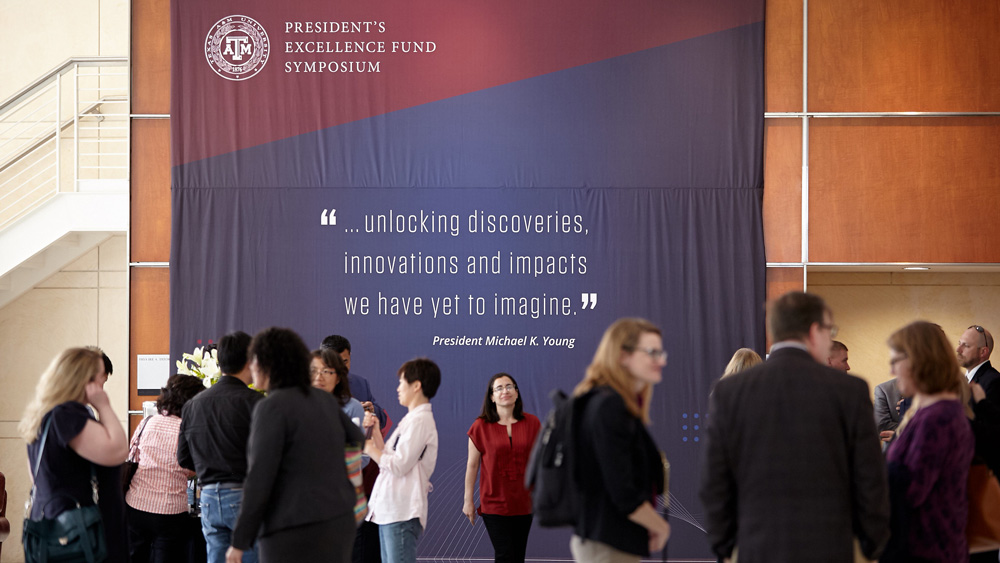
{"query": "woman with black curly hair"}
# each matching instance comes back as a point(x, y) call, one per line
point(160, 528)
point(297, 500)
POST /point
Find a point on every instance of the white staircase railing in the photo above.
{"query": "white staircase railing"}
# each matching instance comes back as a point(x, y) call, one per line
point(66, 132)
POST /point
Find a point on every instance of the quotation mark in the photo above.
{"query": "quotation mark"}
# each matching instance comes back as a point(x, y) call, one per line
point(328, 220)
point(589, 299)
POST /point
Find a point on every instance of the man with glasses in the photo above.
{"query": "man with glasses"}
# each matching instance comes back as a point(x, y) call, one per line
point(974, 349)
point(791, 470)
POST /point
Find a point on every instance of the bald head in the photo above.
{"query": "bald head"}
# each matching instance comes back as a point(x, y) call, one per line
point(974, 346)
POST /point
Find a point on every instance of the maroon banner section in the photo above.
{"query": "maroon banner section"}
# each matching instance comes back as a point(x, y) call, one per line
point(371, 58)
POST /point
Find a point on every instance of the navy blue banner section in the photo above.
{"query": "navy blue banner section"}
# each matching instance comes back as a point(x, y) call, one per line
point(499, 230)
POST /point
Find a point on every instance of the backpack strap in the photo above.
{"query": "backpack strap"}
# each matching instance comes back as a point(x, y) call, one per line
point(422, 452)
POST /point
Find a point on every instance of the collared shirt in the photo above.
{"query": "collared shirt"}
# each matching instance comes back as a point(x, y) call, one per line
point(972, 372)
point(410, 454)
point(788, 344)
point(215, 426)
point(160, 484)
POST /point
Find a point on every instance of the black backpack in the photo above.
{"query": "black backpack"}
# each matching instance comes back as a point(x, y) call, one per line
point(551, 473)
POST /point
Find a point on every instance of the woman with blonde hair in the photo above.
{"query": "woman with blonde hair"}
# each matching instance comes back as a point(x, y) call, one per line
point(743, 359)
point(76, 445)
point(618, 520)
point(929, 461)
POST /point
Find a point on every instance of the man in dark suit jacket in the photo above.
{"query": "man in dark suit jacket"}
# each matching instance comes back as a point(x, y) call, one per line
point(974, 349)
point(887, 413)
point(792, 469)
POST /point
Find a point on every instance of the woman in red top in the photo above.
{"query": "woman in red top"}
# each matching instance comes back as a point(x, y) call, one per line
point(500, 441)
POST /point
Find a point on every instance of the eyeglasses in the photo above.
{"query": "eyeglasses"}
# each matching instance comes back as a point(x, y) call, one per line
point(834, 329)
point(325, 372)
point(897, 359)
point(501, 388)
point(654, 353)
point(981, 330)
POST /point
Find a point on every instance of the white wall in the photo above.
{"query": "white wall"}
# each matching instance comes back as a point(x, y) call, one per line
point(37, 35)
point(870, 307)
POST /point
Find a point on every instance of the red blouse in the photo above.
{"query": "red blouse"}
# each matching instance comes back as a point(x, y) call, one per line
point(501, 480)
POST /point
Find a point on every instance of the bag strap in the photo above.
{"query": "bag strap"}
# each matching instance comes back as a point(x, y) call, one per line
point(88, 548)
point(38, 460)
point(41, 449)
point(135, 448)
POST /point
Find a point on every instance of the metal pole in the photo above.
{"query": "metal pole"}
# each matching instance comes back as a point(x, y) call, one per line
point(58, 126)
point(76, 127)
point(805, 139)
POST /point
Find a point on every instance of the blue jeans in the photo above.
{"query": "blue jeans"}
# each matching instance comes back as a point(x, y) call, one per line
point(399, 541)
point(219, 508)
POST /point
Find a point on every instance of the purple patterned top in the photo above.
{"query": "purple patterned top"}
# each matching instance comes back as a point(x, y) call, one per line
point(928, 484)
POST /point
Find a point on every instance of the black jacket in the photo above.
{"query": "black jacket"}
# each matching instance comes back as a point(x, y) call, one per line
point(215, 426)
point(297, 473)
point(618, 468)
point(792, 469)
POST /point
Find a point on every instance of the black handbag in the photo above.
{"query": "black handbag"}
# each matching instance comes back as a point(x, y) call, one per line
point(75, 535)
point(131, 464)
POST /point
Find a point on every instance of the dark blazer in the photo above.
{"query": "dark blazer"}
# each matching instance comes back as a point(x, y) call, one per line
point(792, 469)
point(361, 391)
point(619, 468)
point(986, 428)
point(988, 378)
point(297, 474)
point(886, 397)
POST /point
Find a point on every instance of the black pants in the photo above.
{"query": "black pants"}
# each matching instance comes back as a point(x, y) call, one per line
point(367, 545)
point(509, 535)
point(328, 542)
point(158, 538)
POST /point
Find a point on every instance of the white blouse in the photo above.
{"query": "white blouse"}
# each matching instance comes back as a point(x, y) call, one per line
point(408, 460)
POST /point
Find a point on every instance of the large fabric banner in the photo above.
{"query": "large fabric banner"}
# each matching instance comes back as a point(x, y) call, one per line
point(487, 183)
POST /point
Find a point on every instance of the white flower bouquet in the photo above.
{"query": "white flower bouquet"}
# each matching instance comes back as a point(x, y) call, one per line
point(201, 364)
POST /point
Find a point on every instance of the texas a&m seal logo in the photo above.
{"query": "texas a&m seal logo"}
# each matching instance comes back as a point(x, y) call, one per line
point(237, 47)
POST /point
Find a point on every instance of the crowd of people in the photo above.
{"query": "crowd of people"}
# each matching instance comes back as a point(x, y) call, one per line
point(316, 471)
point(793, 471)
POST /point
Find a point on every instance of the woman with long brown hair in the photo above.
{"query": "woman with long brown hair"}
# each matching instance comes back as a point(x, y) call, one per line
point(618, 520)
point(929, 461)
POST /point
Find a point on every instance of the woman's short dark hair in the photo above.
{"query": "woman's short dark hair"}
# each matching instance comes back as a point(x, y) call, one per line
point(424, 371)
point(179, 390)
point(489, 412)
point(331, 359)
point(283, 356)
